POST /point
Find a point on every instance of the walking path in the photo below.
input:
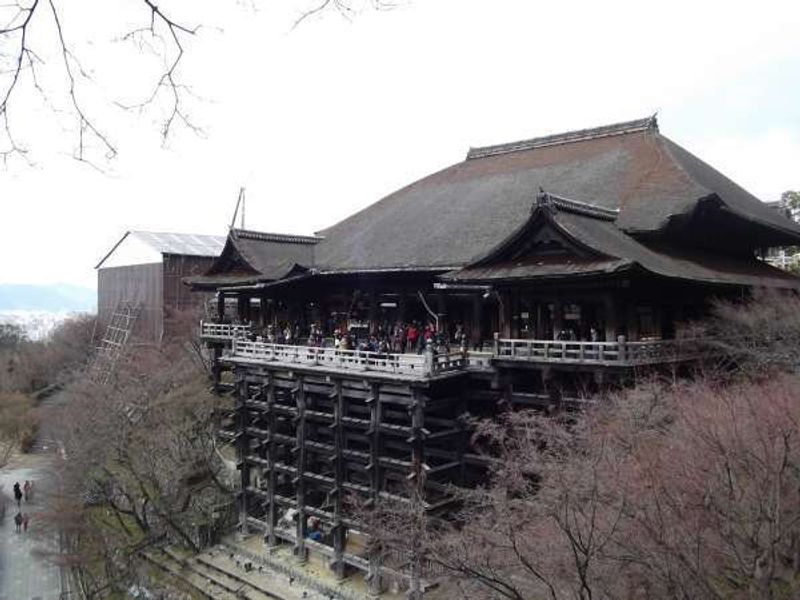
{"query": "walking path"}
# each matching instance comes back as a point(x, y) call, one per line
point(22, 575)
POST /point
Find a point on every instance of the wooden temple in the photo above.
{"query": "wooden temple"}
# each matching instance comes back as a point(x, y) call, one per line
point(536, 273)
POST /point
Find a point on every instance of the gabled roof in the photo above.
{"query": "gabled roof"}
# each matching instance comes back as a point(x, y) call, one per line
point(184, 244)
point(253, 256)
point(450, 217)
point(611, 250)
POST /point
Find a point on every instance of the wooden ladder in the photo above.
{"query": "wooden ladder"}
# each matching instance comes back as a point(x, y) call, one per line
point(118, 332)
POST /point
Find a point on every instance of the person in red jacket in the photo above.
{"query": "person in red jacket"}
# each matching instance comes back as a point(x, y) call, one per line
point(411, 336)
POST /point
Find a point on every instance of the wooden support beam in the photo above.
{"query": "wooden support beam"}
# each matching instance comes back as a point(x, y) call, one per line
point(243, 450)
point(301, 552)
point(272, 513)
point(339, 541)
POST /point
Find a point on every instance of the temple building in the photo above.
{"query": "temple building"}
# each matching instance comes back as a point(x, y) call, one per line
point(533, 273)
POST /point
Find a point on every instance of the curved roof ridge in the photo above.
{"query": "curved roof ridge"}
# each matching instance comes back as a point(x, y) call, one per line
point(287, 238)
point(578, 135)
point(578, 207)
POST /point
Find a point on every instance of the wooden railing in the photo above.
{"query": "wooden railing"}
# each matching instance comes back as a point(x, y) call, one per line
point(225, 331)
point(426, 364)
point(621, 352)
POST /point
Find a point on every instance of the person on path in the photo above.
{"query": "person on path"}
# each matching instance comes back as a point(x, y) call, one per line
point(25, 520)
point(26, 489)
point(17, 493)
point(18, 521)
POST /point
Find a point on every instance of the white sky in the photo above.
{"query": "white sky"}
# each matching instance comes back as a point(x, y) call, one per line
point(325, 119)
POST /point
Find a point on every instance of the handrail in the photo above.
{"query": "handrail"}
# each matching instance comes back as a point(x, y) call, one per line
point(620, 352)
point(226, 331)
point(359, 360)
point(614, 353)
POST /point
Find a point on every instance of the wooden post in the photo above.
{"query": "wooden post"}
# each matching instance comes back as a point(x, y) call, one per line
point(504, 300)
point(621, 345)
point(338, 441)
point(216, 368)
point(220, 306)
point(301, 552)
point(429, 362)
point(611, 317)
point(417, 475)
point(475, 334)
point(272, 512)
point(558, 318)
point(444, 318)
point(243, 449)
point(374, 402)
point(373, 311)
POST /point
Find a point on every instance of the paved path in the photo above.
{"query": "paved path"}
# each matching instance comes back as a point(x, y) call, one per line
point(22, 576)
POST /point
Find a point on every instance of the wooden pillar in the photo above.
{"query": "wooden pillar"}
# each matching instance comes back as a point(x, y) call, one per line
point(272, 509)
point(632, 322)
point(558, 318)
point(374, 402)
point(417, 475)
point(504, 306)
point(441, 312)
point(373, 311)
point(611, 309)
point(339, 476)
point(301, 552)
point(401, 308)
point(262, 311)
point(242, 306)
point(475, 334)
point(243, 449)
point(376, 411)
point(538, 318)
point(216, 367)
point(220, 306)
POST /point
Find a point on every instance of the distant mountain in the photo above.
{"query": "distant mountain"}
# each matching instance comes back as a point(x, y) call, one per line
point(59, 297)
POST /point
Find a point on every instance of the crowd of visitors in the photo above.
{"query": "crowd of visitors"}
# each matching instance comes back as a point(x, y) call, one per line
point(395, 338)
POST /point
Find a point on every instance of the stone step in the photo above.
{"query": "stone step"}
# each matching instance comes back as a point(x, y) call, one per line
point(223, 581)
point(303, 581)
point(181, 572)
point(254, 582)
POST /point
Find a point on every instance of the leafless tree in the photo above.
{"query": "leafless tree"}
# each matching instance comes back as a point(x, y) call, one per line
point(30, 30)
point(681, 491)
point(760, 335)
point(31, 367)
point(141, 462)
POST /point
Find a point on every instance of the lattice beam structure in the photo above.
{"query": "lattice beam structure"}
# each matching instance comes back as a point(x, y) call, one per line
point(307, 440)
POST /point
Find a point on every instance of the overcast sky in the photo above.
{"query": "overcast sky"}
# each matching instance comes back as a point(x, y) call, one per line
point(322, 120)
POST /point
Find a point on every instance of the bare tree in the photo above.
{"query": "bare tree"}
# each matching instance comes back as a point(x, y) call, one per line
point(30, 30)
point(681, 491)
point(144, 449)
point(18, 424)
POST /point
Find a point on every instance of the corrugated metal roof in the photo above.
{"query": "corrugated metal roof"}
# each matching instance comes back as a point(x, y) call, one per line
point(188, 244)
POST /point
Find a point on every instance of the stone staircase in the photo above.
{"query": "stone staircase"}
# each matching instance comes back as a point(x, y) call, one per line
point(215, 576)
point(232, 570)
